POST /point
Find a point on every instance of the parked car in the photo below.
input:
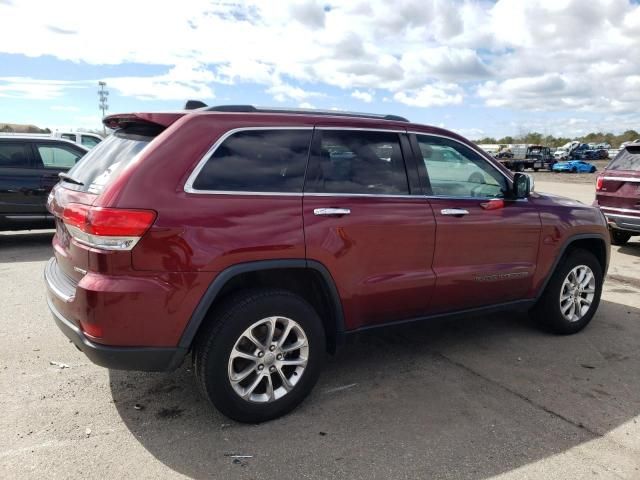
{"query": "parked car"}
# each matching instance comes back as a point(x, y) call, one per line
point(574, 166)
point(618, 194)
point(258, 239)
point(85, 139)
point(29, 168)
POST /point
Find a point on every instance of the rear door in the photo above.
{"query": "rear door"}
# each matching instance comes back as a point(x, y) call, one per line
point(364, 222)
point(486, 247)
point(20, 194)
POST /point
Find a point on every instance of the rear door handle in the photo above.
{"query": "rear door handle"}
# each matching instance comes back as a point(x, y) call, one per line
point(454, 212)
point(331, 212)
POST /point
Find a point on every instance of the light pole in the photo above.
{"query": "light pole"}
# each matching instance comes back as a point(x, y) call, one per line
point(103, 105)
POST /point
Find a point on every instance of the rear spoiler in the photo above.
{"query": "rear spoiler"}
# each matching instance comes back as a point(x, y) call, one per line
point(122, 120)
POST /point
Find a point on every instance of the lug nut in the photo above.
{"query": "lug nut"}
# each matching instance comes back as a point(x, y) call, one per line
point(272, 348)
point(260, 354)
point(272, 368)
point(260, 367)
point(279, 357)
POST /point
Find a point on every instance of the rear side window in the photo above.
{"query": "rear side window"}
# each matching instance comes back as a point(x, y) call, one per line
point(627, 159)
point(357, 162)
point(108, 159)
point(88, 141)
point(257, 161)
point(69, 136)
point(15, 155)
point(53, 156)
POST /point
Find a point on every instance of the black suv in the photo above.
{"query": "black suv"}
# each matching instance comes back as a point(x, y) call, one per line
point(29, 168)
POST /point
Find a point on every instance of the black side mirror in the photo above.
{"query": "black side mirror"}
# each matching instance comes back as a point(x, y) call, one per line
point(522, 185)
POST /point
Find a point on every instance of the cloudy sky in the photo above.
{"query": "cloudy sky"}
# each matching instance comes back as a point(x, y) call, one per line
point(561, 67)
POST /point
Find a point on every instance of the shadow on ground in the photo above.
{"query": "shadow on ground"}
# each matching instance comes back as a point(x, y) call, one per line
point(631, 248)
point(466, 399)
point(25, 246)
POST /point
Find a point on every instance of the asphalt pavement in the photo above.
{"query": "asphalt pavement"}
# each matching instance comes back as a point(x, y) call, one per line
point(484, 397)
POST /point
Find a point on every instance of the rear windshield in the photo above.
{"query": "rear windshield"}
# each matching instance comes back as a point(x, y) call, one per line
point(107, 160)
point(627, 159)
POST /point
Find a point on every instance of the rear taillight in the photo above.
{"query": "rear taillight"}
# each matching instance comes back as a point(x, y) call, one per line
point(599, 184)
point(107, 228)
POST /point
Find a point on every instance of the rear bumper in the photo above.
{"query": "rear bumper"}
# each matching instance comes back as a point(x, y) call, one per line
point(150, 359)
point(623, 221)
point(67, 302)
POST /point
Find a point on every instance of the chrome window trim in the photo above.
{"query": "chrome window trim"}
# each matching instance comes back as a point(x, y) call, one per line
point(364, 195)
point(188, 186)
point(363, 129)
point(473, 148)
point(623, 179)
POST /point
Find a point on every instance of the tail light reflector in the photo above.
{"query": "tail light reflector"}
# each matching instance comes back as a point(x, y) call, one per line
point(107, 228)
point(599, 184)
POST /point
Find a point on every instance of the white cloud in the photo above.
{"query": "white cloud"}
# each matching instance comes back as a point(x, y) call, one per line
point(548, 55)
point(29, 88)
point(366, 97)
point(283, 92)
point(437, 95)
point(182, 82)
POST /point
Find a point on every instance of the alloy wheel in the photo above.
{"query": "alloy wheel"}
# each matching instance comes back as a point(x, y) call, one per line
point(577, 293)
point(268, 359)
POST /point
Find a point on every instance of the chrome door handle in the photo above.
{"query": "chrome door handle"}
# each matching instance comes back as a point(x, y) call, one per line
point(454, 212)
point(331, 212)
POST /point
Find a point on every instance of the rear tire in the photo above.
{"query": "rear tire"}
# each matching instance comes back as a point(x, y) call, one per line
point(279, 378)
point(593, 170)
point(618, 237)
point(572, 296)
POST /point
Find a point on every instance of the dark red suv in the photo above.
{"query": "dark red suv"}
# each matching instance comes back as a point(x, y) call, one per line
point(257, 239)
point(618, 194)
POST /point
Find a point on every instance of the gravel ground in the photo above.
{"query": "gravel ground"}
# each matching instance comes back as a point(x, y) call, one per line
point(485, 397)
point(583, 178)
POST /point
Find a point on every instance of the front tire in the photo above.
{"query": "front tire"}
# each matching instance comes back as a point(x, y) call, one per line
point(618, 237)
point(260, 355)
point(572, 296)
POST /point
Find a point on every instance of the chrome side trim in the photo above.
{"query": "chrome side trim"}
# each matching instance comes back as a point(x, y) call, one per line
point(623, 210)
point(623, 179)
point(358, 195)
point(617, 215)
point(188, 186)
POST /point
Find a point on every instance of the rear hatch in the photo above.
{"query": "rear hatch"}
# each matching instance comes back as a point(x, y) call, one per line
point(618, 187)
point(81, 228)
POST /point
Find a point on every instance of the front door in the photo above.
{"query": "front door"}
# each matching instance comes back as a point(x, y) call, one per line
point(54, 158)
point(366, 227)
point(486, 246)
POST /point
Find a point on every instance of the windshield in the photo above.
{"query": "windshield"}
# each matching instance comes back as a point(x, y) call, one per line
point(627, 159)
point(106, 161)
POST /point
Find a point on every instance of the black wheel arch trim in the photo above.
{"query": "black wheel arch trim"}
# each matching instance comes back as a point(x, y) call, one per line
point(218, 283)
point(567, 243)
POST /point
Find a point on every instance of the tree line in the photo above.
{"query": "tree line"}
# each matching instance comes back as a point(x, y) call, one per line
point(6, 128)
point(551, 141)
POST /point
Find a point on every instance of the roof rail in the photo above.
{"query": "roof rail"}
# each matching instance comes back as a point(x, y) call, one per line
point(301, 111)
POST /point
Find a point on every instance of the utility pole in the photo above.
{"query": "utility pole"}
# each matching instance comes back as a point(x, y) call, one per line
point(103, 105)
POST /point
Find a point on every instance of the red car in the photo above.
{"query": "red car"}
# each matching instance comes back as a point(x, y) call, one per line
point(618, 194)
point(256, 240)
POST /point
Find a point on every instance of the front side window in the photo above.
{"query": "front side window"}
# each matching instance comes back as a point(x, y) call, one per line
point(454, 170)
point(57, 157)
point(258, 161)
point(14, 155)
point(357, 162)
